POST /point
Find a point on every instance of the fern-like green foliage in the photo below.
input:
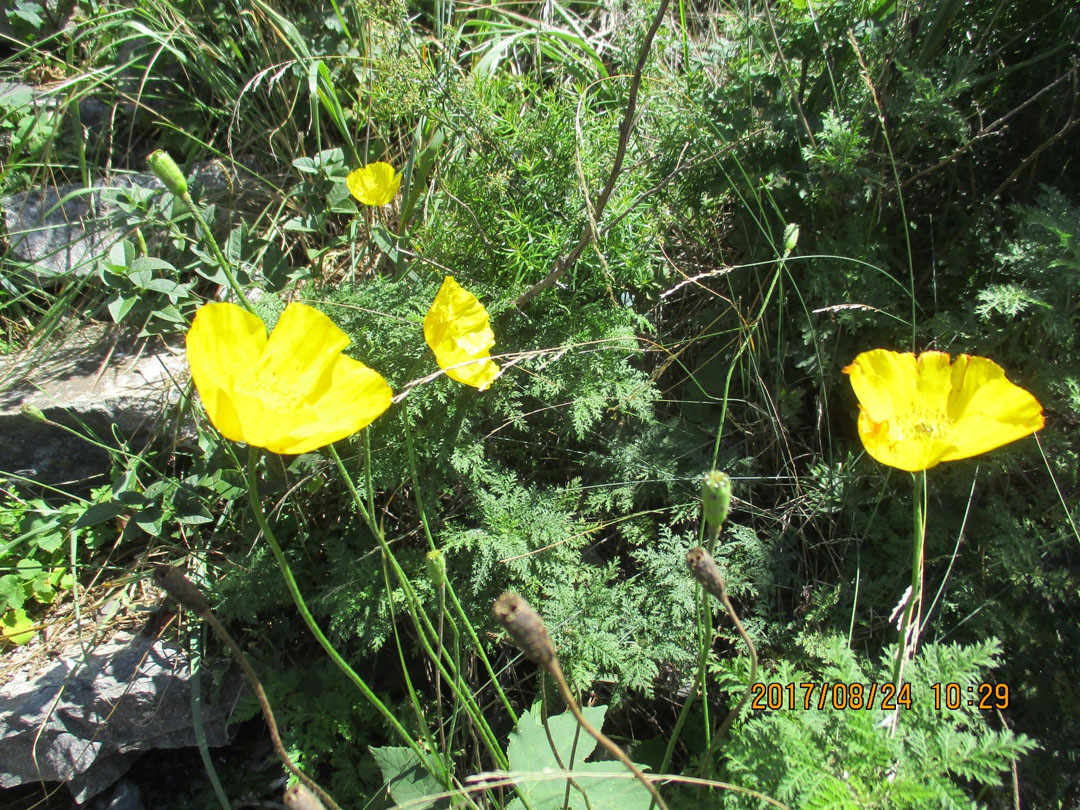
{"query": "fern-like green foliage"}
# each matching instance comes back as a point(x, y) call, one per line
point(856, 759)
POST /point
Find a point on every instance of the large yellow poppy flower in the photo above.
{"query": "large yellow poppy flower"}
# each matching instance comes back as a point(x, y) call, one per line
point(374, 184)
point(458, 330)
point(917, 411)
point(290, 393)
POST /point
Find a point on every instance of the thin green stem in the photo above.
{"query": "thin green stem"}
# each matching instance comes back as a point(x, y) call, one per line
point(477, 646)
point(223, 263)
point(414, 700)
point(426, 630)
point(905, 645)
point(699, 685)
point(251, 479)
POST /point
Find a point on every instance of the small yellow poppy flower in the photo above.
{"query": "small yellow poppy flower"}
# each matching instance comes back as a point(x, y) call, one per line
point(374, 184)
point(917, 411)
point(290, 393)
point(458, 330)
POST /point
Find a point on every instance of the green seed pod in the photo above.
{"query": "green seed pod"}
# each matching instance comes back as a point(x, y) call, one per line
point(436, 567)
point(30, 412)
point(715, 499)
point(168, 172)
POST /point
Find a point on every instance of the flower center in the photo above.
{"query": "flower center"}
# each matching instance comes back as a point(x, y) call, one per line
point(922, 423)
point(275, 393)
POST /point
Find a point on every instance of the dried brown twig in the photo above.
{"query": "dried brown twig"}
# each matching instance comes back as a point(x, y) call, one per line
point(183, 591)
point(526, 628)
point(564, 263)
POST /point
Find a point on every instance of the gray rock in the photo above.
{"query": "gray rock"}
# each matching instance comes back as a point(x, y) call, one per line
point(82, 719)
point(125, 795)
point(90, 380)
point(61, 232)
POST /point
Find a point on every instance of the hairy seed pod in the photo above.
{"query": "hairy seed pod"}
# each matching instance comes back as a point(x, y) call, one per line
point(715, 498)
point(525, 627)
point(703, 567)
point(166, 170)
point(299, 797)
point(181, 589)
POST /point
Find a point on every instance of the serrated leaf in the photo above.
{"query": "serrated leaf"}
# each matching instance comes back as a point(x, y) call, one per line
point(12, 594)
point(50, 541)
point(406, 778)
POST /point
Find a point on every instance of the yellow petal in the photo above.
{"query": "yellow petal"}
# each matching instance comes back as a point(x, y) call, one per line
point(458, 330)
point(224, 342)
point(991, 411)
point(355, 397)
point(917, 412)
point(303, 346)
point(879, 378)
point(909, 453)
point(374, 184)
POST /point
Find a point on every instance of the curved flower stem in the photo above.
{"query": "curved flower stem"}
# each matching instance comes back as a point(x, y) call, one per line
point(414, 699)
point(425, 629)
point(477, 646)
point(223, 263)
point(251, 479)
point(906, 647)
point(705, 626)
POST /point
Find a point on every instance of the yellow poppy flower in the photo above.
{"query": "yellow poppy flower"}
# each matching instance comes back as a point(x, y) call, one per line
point(458, 330)
point(917, 411)
point(374, 184)
point(290, 393)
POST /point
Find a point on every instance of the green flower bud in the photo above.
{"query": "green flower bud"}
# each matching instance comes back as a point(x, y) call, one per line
point(436, 567)
point(30, 412)
point(715, 499)
point(168, 172)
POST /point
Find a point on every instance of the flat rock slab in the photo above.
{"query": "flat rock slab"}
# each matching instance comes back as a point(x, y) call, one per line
point(92, 379)
point(61, 232)
point(82, 719)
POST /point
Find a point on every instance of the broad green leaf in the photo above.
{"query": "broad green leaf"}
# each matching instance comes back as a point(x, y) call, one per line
point(99, 513)
point(149, 264)
point(12, 594)
point(49, 541)
point(406, 778)
point(530, 751)
point(149, 520)
point(15, 626)
point(119, 307)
